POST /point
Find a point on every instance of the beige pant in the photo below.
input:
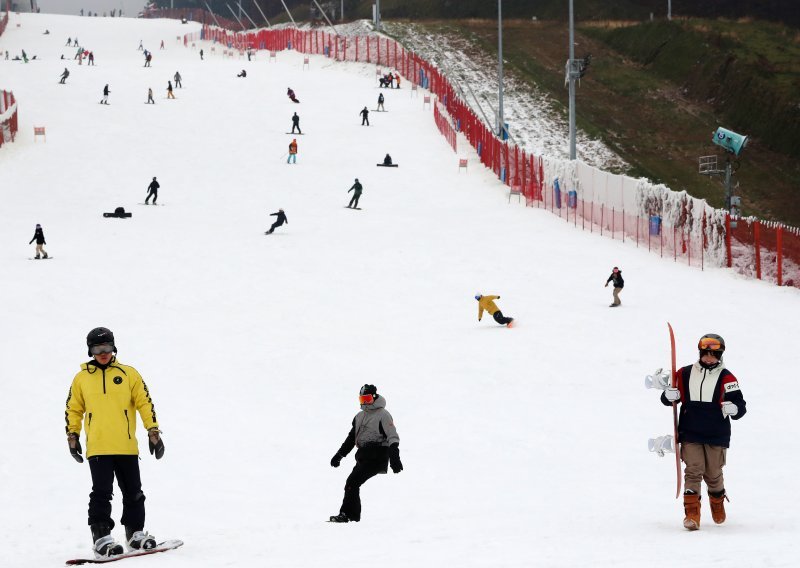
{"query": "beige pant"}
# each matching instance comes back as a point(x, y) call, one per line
point(617, 301)
point(703, 462)
point(40, 250)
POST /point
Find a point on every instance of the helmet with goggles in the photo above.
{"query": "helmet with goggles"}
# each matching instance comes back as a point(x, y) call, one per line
point(100, 340)
point(367, 394)
point(711, 343)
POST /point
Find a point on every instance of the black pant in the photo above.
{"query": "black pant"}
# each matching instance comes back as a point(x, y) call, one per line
point(177, 83)
point(274, 226)
point(126, 470)
point(364, 121)
point(500, 318)
point(354, 200)
point(154, 195)
point(297, 126)
point(351, 504)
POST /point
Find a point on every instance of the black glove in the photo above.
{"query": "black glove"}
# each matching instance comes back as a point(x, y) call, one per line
point(336, 460)
point(75, 449)
point(155, 442)
point(394, 458)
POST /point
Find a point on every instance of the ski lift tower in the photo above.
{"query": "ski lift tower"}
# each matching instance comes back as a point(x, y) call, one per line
point(733, 144)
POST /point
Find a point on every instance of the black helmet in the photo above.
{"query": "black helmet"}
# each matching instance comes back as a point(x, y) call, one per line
point(99, 336)
point(368, 389)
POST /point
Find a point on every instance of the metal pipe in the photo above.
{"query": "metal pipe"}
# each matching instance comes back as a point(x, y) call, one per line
point(324, 15)
point(234, 15)
point(210, 11)
point(501, 127)
point(288, 12)
point(571, 74)
point(245, 13)
point(262, 15)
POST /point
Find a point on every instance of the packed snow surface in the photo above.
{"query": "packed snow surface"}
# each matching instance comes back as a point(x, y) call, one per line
point(522, 447)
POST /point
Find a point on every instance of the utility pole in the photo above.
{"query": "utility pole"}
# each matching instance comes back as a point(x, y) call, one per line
point(571, 76)
point(669, 10)
point(341, 12)
point(501, 127)
point(377, 15)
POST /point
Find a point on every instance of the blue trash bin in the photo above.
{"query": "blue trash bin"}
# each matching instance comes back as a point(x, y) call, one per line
point(572, 199)
point(327, 51)
point(655, 225)
point(289, 44)
point(556, 194)
point(505, 131)
point(503, 175)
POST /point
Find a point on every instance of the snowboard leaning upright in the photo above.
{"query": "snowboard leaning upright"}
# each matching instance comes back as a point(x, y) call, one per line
point(674, 383)
point(162, 547)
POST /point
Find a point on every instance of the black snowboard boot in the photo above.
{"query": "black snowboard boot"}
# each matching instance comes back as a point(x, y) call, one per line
point(340, 518)
point(104, 544)
point(139, 540)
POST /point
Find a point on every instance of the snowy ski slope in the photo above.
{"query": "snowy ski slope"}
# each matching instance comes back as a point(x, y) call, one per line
point(522, 447)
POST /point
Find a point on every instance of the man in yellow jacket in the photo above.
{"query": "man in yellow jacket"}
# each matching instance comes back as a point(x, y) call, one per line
point(486, 303)
point(104, 397)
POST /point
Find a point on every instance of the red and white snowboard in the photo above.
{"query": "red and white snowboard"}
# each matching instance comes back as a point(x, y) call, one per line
point(674, 383)
point(161, 547)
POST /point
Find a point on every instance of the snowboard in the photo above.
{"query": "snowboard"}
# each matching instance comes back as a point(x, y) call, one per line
point(127, 215)
point(376, 110)
point(358, 208)
point(43, 258)
point(148, 204)
point(388, 165)
point(295, 133)
point(161, 547)
point(674, 383)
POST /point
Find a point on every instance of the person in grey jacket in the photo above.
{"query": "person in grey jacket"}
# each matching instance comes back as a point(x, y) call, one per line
point(378, 443)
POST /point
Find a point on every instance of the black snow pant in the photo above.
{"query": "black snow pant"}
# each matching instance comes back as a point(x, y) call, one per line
point(126, 470)
point(153, 194)
point(297, 126)
point(354, 200)
point(274, 226)
point(500, 318)
point(363, 471)
point(364, 121)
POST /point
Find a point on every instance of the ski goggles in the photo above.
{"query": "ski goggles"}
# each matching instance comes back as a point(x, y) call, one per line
point(709, 344)
point(103, 348)
point(366, 399)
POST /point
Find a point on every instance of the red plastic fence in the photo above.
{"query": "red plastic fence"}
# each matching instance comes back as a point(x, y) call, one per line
point(753, 248)
point(3, 23)
point(8, 117)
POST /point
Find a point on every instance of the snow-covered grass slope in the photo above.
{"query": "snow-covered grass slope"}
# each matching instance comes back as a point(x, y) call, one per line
point(521, 447)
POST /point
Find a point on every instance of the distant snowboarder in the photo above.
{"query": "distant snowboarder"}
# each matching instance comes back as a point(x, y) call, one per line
point(177, 80)
point(64, 76)
point(147, 59)
point(364, 116)
point(152, 191)
point(105, 95)
point(292, 152)
point(292, 96)
point(201, 55)
point(170, 94)
point(38, 236)
point(380, 102)
point(374, 434)
point(150, 100)
point(91, 58)
point(486, 303)
point(242, 74)
point(296, 123)
point(357, 189)
point(281, 219)
point(619, 283)
point(141, 47)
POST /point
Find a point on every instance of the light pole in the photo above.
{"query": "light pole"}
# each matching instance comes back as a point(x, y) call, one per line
point(501, 120)
point(571, 73)
point(377, 15)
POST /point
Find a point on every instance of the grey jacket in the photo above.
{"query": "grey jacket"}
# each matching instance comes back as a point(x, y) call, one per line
point(372, 427)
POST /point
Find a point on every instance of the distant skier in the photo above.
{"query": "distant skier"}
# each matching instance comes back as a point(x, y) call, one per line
point(292, 96)
point(619, 284)
point(177, 80)
point(292, 151)
point(486, 303)
point(162, 44)
point(201, 55)
point(364, 116)
point(709, 395)
point(374, 434)
point(64, 76)
point(152, 190)
point(91, 58)
point(397, 78)
point(281, 219)
point(105, 95)
point(107, 413)
point(141, 47)
point(242, 74)
point(150, 100)
point(38, 236)
point(380, 102)
point(170, 94)
point(387, 160)
point(357, 190)
point(69, 41)
point(147, 59)
point(296, 123)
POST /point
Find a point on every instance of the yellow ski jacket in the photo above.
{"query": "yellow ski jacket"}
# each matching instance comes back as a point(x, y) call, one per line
point(487, 303)
point(105, 400)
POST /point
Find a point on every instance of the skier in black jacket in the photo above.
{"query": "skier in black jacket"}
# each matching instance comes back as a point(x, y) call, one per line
point(619, 284)
point(152, 191)
point(709, 396)
point(364, 116)
point(296, 124)
point(281, 219)
point(38, 236)
point(375, 436)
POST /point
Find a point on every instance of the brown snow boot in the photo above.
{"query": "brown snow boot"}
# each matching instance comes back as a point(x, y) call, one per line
point(691, 505)
point(717, 501)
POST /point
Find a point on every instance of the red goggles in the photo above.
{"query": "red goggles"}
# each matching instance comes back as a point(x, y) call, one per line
point(366, 399)
point(709, 344)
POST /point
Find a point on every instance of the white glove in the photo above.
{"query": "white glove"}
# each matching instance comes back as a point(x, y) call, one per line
point(672, 394)
point(729, 409)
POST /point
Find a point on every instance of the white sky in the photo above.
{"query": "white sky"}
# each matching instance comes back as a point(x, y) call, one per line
point(73, 7)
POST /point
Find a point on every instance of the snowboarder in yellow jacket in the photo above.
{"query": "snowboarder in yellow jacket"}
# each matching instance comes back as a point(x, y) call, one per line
point(486, 303)
point(104, 397)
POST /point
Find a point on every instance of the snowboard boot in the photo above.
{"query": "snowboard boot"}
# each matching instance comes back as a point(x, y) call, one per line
point(37, 257)
point(139, 540)
point(691, 506)
point(45, 255)
point(717, 502)
point(104, 544)
point(340, 518)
